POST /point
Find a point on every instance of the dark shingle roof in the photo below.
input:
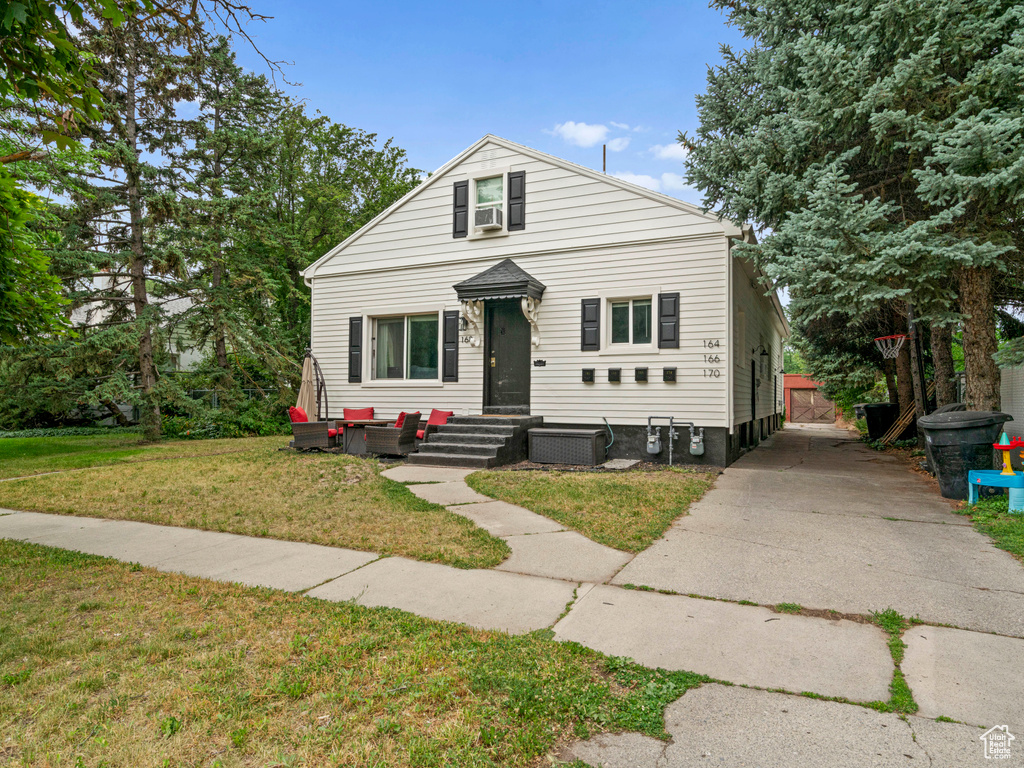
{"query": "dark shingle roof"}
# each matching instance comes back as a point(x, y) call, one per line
point(502, 281)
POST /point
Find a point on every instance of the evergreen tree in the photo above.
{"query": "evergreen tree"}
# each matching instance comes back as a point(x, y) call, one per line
point(856, 133)
point(141, 73)
point(228, 246)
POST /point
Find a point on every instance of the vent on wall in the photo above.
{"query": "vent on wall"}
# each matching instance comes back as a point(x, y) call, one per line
point(488, 159)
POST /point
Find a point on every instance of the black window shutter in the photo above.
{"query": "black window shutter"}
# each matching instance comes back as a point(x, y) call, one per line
point(516, 200)
point(668, 320)
point(460, 209)
point(590, 325)
point(355, 349)
point(450, 346)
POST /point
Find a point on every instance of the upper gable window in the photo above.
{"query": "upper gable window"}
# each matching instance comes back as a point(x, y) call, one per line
point(490, 193)
point(490, 203)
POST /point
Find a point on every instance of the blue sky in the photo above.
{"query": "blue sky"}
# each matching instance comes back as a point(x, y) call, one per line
point(563, 77)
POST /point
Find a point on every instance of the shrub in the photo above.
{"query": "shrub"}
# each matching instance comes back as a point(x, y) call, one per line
point(69, 431)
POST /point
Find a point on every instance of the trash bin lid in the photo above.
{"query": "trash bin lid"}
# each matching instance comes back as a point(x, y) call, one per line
point(879, 405)
point(962, 419)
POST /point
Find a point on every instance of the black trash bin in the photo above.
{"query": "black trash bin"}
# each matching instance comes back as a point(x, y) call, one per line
point(960, 441)
point(879, 417)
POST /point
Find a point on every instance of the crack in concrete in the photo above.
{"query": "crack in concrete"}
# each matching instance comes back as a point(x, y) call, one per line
point(913, 736)
point(345, 573)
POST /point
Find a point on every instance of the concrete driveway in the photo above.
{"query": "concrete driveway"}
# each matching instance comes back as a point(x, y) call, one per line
point(817, 518)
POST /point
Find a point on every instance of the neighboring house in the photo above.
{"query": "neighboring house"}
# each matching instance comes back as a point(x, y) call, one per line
point(805, 404)
point(512, 281)
point(183, 353)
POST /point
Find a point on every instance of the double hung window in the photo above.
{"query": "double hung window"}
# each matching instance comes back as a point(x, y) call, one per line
point(490, 193)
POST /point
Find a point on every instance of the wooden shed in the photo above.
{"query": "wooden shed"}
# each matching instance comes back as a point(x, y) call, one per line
point(804, 403)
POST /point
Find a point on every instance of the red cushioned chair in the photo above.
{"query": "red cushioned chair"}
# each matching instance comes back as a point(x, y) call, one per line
point(394, 441)
point(437, 418)
point(311, 435)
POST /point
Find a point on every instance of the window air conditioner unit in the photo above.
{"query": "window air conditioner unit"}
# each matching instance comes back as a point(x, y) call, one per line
point(488, 218)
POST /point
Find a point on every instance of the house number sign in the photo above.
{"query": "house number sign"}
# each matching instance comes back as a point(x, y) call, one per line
point(712, 358)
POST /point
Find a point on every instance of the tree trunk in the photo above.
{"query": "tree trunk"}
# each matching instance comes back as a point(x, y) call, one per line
point(904, 379)
point(979, 326)
point(942, 360)
point(889, 368)
point(220, 336)
point(220, 343)
point(137, 265)
point(119, 417)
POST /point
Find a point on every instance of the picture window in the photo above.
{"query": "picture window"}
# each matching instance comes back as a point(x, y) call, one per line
point(406, 347)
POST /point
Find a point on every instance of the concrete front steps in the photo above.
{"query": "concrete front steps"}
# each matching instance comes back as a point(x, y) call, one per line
point(476, 442)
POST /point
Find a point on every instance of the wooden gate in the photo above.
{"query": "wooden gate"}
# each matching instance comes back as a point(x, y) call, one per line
point(811, 407)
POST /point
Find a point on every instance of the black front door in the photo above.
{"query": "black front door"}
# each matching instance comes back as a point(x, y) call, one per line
point(506, 355)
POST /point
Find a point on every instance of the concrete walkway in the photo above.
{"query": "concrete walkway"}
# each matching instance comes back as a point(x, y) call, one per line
point(811, 517)
point(540, 546)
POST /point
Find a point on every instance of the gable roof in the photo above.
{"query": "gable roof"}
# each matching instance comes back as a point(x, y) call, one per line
point(731, 230)
point(505, 280)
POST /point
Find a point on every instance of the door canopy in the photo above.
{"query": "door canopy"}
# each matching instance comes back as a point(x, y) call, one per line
point(502, 281)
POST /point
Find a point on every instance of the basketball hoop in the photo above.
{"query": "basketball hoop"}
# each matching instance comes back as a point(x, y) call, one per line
point(890, 346)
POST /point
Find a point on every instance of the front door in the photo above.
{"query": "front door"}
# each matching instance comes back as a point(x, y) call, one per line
point(506, 355)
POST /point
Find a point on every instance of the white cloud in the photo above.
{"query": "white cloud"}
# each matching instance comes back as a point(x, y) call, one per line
point(620, 126)
point(619, 144)
point(639, 179)
point(673, 181)
point(667, 182)
point(669, 151)
point(581, 134)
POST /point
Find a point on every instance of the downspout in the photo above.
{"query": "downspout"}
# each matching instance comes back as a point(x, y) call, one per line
point(730, 311)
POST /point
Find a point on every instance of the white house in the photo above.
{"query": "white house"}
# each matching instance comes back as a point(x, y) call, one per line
point(514, 282)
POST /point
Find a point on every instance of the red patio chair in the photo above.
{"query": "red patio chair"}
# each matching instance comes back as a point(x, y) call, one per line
point(437, 418)
point(310, 435)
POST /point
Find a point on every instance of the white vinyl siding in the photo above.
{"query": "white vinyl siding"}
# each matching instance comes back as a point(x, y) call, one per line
point(755, 322)
point(696, 269)
point(564, 210)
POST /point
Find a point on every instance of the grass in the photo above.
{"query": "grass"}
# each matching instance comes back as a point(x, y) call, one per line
point(901, 699)
point(257, 490)
point(624, 510)
point(992, 517)
point(20, 456)
point(103, 664)
point(788, 607)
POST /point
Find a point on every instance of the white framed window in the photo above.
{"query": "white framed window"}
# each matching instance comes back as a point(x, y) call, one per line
point(406, 348)
point(630, 321)
point(490, 193)
point(488, 190)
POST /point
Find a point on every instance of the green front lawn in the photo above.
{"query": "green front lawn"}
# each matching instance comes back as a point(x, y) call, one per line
point(624, 510)
point(103, 663)
point(248, 486)
point(20, 456)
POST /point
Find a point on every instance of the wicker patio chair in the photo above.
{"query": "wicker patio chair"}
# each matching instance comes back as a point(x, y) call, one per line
point(312, 435)
point(394, 441)
point(437, 419)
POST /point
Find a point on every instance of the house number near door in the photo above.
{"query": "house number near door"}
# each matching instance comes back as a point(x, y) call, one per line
point(712, 358)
